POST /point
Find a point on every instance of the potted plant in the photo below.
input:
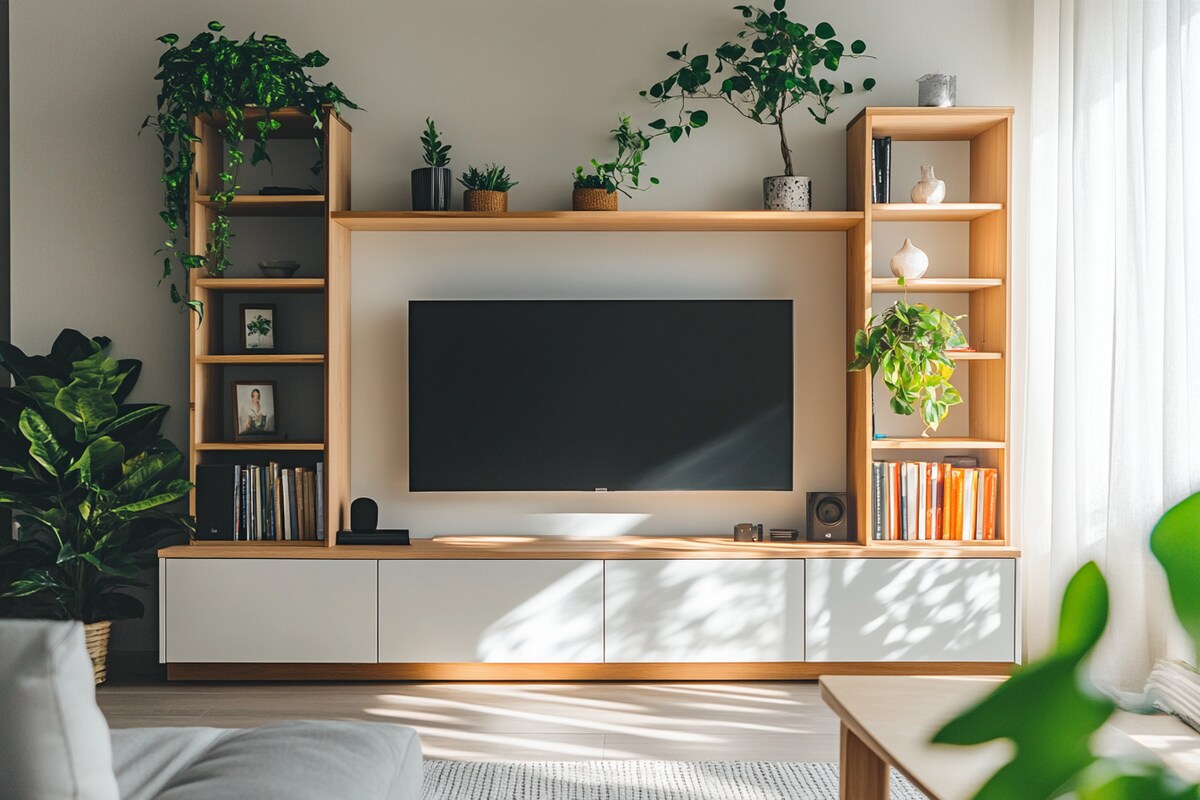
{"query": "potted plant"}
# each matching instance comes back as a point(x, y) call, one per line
point(597, 190)
point(431, 183)
point(221, 77)
point(89, 478)
point(909, 343)
point(776, 65)
point(487, 188)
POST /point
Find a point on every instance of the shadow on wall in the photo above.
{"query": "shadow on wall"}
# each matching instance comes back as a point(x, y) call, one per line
point(559, 621)
point(911, 609)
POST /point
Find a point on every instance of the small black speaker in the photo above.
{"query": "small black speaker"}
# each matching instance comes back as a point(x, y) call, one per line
point(364, 514)
point(828, 517)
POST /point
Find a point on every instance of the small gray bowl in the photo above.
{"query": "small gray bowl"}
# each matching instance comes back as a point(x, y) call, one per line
point(278, 269)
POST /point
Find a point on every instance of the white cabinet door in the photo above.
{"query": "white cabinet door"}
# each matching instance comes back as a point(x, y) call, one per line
point(704, 611)
point(497, 610)
point(270, 610)
point(914, 609)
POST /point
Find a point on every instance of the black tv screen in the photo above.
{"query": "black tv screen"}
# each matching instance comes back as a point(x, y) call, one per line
point(586, 395)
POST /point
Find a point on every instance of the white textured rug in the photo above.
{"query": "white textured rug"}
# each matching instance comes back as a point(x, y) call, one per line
point(639, 780)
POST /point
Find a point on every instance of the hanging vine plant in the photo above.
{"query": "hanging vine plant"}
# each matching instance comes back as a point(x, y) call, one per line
point(213, 74)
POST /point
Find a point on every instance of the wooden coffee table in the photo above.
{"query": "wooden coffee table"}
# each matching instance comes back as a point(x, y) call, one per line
point(888, 721)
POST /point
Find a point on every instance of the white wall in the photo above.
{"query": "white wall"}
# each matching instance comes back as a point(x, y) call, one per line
point(535, 84)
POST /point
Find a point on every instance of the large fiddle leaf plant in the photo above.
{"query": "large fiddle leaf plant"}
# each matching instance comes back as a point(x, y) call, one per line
point(1050, 710)
point(218, 76)
point(774, 65)
point(90, 480)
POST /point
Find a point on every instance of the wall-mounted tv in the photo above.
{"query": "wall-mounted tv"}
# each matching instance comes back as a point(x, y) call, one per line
point(587, 395)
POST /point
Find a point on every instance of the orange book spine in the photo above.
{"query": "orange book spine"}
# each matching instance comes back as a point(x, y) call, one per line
point(956, 500)
point(930, 507)
point(895, 498)
point(947, 506)
point(991, 479)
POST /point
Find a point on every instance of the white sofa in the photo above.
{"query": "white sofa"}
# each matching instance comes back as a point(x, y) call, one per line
point(55, 743)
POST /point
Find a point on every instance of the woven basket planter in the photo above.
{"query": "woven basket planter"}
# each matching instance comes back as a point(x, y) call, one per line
point(95, 635)
point(485, 200)
point(593, 200)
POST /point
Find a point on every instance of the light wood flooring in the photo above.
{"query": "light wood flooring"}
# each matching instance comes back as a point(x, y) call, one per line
point(520, 721)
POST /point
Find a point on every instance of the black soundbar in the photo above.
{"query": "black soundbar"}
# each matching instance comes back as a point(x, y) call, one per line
point(380, 537)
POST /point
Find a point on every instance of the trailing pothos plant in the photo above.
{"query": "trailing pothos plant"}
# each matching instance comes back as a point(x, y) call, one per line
point(1050, 710)
point(624, 172)
point(213, 74)
point(90, 480)
point(775, 65)
point(908, 344)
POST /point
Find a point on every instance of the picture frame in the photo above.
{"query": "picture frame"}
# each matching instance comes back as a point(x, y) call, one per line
point(259, 327)
point(255, 419)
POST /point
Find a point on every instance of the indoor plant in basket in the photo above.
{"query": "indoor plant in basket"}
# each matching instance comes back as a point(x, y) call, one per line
point(772, 66)
point(909, 343)
point(597, 190)
point(487, 188)
point(222, 77)
point(431, 183)
point(90, 480)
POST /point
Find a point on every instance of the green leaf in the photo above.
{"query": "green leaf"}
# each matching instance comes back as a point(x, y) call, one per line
point(147, 469)
point(858, 47)
point(43, 446)
point(215, 26)
point(698, 118)
point(868, 84)
point(100, 463)
point(173, 491)
point(1174, 543)
point(824, 31)
point(168, 39)
point(87, 407)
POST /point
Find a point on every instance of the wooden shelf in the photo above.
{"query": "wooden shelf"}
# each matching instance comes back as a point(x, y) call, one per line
point(974, 355)
point(293, 205)
point(724, 221)
point(949, 543)
point(292, 358)
point(937, 212)
point(935, 443)
point(261, 284)
point(941, 285)
point(261, 446)
point(933, 124)
point(294, 123)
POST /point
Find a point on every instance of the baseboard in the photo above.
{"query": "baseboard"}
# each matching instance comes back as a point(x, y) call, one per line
point(134, 665)
point(776, 671)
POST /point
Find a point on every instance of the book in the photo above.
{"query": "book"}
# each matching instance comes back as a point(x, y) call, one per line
point(970, 478)
point(922, 500)
point(894, 499)
point(912, 500)
point(879, 499)
point(991, 479)
point(320, 501)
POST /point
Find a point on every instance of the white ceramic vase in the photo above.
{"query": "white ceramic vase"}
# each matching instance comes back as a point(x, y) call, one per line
point(787, 193)
point(910, 261)
point(929, 189)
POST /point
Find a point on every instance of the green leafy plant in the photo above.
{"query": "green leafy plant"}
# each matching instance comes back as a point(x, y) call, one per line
point(908, 344)
point(625, 171)
point(1050, 710)
point(492, 178)
point(89, 478)
point(436, 154)
point(776, 65)
point(218, 76)
point(260, 326)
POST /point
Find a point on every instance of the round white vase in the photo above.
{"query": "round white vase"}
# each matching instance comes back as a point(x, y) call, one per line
point(787, 193)
point(910, 261)
point(929, 189)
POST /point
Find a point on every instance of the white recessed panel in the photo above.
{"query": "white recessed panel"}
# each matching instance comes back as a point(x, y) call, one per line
point(704, 611)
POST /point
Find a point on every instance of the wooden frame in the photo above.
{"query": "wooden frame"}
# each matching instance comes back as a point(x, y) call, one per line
point(267, 436)
point(274, 309)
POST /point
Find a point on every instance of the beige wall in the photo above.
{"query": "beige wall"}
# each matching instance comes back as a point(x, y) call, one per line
point(534, 84)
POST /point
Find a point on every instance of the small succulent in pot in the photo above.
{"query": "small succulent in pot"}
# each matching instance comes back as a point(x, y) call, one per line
point(431, 184)
point(487, 188)
point(597, 190)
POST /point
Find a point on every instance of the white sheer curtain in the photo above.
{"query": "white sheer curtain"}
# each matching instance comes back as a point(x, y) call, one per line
point(1112, 397)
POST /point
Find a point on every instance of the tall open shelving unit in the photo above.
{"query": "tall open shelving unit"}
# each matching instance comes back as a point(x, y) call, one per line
point(210, 434)
point(985, 281)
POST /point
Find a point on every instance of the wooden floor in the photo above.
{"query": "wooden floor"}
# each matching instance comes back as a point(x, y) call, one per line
point(520, 721)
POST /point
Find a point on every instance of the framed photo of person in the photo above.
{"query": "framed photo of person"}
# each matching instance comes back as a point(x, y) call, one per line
point(258, 328)
point(255, 410)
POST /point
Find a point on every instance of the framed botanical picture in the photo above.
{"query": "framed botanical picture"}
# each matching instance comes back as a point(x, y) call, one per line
point(258, 328)
point(256, 410)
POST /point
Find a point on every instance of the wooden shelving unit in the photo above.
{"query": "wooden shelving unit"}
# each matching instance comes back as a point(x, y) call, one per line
point(209, 415)
point(985, 283)
point(688, 221)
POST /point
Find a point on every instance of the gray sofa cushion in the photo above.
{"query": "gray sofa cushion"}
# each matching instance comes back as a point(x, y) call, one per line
point(54, 742)
point(281, 761)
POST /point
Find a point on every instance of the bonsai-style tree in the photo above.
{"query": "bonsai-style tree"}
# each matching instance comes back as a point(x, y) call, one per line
point(776, 65)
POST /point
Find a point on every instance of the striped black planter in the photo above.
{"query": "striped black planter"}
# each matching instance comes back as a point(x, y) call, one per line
point(431, 189)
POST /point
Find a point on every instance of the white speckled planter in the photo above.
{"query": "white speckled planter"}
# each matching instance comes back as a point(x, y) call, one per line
point(787, 193)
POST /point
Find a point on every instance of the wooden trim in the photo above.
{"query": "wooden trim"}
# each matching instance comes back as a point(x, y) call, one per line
point(598, 220)
point(258, 446)
point(947, 285)
point(937, 443)
point(300, 205)
point(909, 123)
point(285, 358)
point(940, 212)
point(261, 284)
point(486, 548)
point(779, 671)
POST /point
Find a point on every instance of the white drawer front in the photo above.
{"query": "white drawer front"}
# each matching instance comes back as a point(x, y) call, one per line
point(270, 610)
point(491, 611)
point(704, 611)
point(918, 609)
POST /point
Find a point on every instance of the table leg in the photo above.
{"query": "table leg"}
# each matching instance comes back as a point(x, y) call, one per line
point(863, 775)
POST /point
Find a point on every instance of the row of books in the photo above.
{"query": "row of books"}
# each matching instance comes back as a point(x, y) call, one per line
point(925, 500)
point(260, 502)
point(881, 170)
